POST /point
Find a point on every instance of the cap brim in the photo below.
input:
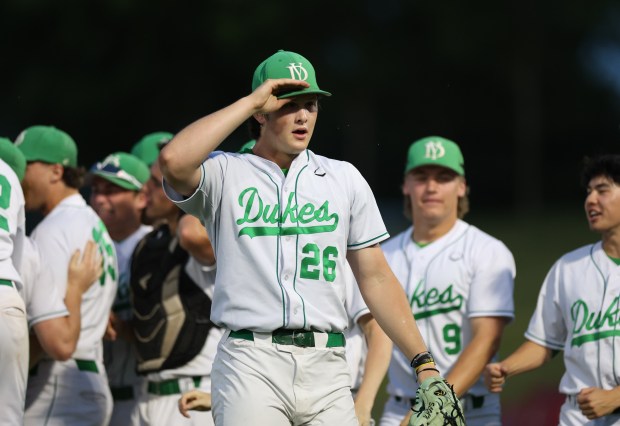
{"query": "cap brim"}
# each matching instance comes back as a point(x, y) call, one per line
point(116, 181)
point(304, 92)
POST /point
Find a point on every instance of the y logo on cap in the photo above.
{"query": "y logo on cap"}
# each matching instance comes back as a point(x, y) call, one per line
point(434, 150)
point(298, 72)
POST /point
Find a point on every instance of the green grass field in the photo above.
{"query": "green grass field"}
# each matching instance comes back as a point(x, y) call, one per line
point(536, 240)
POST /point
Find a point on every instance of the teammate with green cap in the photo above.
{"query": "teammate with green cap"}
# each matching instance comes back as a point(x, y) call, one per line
point(285, 222)
point(70, 383)
point(147, 148)
point(459, 281)
point(118, 197)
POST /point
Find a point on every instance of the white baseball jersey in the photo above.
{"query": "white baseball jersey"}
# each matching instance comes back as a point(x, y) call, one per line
point(356, 347)
point(119, 355)
point(65, 229)
point(577, 312)
point(63, 391)
point(13, 325)
point(296, 229)
point(462, 275)
point(43, 301)
point(12, 225)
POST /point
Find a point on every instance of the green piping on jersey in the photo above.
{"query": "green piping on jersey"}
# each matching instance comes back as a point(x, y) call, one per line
point(303, 303)
point(278, 258)
point(367, 241)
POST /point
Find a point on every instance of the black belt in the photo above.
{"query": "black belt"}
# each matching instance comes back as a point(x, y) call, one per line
point(301, 338)
point(476, 401)
point(122, 393)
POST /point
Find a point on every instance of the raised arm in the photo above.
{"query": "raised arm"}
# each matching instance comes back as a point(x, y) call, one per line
point(181, 158)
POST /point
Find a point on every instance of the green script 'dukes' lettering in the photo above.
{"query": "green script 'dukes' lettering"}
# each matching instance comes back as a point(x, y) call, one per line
point(428, 302)
point(255, 210)
point(589, 326)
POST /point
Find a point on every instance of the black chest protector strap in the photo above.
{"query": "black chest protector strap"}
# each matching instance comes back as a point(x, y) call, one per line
point(170, 311)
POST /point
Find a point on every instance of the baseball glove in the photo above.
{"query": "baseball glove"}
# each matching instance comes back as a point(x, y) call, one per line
point(436, 404)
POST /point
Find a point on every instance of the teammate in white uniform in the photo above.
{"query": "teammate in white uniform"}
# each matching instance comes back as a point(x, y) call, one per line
point(13, 325)
point(158, 406)
point(117, 196)
point(284, 221)
point(578, 312)
point(459, 281)
point(73, 390)
point(368, 351)
point(83, 269)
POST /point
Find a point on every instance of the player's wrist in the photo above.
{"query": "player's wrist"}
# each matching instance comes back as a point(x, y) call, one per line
point(424, 366)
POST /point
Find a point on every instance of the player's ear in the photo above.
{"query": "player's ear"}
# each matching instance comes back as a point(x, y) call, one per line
point(56, 172)
point(140, 199)
point(462, 189)
point(261, 118)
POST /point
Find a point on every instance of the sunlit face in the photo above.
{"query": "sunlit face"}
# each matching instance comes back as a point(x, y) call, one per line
point(434, 193)
point(116, 206)
point(289, 129)
point(37, 182)
point(602, 204)
point(158, 206)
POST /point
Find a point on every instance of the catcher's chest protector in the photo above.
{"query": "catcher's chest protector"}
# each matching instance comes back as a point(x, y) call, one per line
point(170, 312)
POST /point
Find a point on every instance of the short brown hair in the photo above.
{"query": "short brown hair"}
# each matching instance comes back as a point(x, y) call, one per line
point(73, 177)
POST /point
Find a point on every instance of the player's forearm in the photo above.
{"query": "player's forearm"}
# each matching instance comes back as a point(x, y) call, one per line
point(526, 357)
point(194, 239)
point(377, 362)
point(73, 302)
point(469, 366)
point(386, 299)
point(484, 344)
point(190, 147)
point(395, 318)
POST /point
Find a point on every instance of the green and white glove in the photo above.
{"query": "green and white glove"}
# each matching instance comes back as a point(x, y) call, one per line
point(436, 404)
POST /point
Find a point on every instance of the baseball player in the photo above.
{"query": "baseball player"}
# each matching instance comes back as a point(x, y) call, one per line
point(578, 312)
point(70, 386)
point(13, 324)
point(82, 271)
point(165, 384)
point(458, 279)
point(284, 222)
point(118, 197)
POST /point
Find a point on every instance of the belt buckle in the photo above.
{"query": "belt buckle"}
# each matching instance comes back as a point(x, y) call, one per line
point(299, 339)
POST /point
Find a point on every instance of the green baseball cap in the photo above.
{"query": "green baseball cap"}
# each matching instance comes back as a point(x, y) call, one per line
point(284, 64)
point(147, 148)
point(122, 169)
point(435, 151)
point(13, 157)
point(47, 144)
